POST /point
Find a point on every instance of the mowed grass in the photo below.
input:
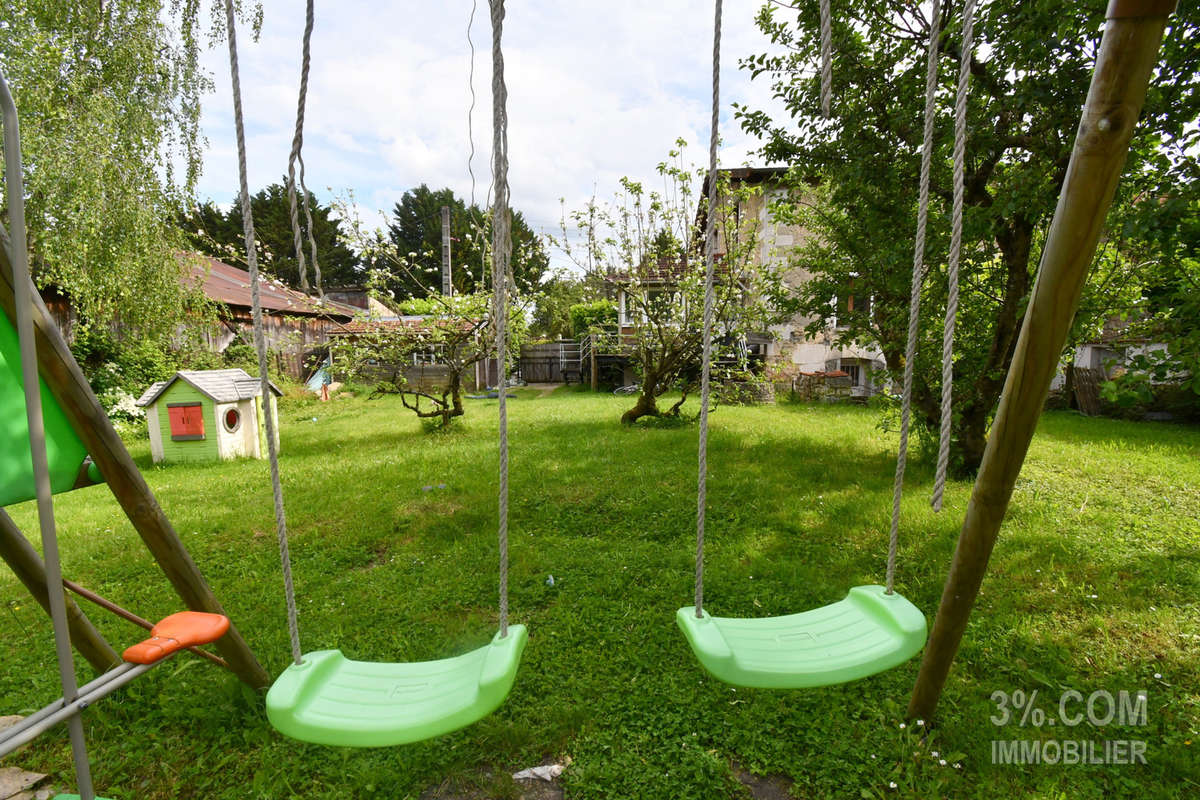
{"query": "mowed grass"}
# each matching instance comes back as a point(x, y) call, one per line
point(1094, 585)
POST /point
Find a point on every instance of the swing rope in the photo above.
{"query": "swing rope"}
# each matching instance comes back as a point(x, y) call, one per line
point(501, 252)
point(710, 230)
point(918, 274)
point(260, 343)
point(960, 145)
point(826, 59)
point(297, 143)
point(471, 107)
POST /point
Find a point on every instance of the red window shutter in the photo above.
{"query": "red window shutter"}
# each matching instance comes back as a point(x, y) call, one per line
point(187, 421)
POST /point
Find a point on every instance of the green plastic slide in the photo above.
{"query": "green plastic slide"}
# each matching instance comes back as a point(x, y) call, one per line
point(329, 699)
point(867, 632)
point(65, 452)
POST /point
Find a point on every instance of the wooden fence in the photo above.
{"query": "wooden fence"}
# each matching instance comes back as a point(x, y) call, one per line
point(542, 363)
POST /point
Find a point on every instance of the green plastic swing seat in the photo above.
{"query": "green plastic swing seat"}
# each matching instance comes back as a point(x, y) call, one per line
point(329, 699)
point(867, 632)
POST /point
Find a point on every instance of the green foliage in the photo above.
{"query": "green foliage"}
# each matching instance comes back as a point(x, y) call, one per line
point(119, 367)
point(799, 498)
point(1155, 380)
point(219, 234)
point(109, 98)
point(241, 354)
point(556, 296)
point(855, 178)
point(598, 315)
point(422, 306)
point(1128, 390)
point(415, 233)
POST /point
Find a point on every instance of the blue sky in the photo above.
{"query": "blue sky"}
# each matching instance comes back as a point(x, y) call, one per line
point(597, 91)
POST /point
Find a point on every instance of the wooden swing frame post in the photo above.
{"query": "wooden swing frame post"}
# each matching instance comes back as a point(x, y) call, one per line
point(68, 385)
point(1128, 52)
point(27, 565)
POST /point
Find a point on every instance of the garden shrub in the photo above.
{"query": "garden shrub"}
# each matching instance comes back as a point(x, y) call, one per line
point(588, 317)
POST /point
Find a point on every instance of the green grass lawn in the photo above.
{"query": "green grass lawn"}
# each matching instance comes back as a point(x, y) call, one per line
point(1094, 585)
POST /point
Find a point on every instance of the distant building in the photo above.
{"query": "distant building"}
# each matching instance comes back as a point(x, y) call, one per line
point(360, 298)
point(789, 345)
point(295, 324)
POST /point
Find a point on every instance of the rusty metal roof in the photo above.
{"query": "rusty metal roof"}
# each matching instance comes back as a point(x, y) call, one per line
point(229, 285)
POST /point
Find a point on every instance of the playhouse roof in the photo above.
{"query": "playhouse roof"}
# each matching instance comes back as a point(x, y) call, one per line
point(222, 385)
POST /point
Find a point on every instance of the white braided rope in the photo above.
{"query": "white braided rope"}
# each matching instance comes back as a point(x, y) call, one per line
point(297, 144)
point(471, 108)
point(260, 342)
point(960, 146)
point(710, 230)
point(826, 59)
point(918, 274)
point(501, 251)
point(312, 242)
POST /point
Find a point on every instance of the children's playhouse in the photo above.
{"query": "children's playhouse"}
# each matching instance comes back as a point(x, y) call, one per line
point(207, 415)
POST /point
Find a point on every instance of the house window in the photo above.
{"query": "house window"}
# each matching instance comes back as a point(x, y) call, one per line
point(187, 421)
point(658, 299)
point(232, 419)
point(854, 371)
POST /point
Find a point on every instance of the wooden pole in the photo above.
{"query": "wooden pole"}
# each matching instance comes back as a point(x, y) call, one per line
point(1128, 52)
point(447, 283)
point(27, 565)
point(68, 385)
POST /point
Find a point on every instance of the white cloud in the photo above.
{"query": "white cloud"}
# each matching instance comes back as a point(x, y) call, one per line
point(596, 91)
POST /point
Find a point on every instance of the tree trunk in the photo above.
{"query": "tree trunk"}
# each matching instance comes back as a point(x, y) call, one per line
point(976, 401)
point(455, 407)
point(1124, 64)
point(972, 437)
point(647, 403)
point(646, 406)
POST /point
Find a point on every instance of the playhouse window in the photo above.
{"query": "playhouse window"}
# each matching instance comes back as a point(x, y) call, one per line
point(187, 421)
point(232, 419)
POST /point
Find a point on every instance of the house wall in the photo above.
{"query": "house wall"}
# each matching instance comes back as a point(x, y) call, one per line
point(298, 336)
point(791, 344)
point(156, 445)
point(1106, 357)
point(206, 449)
point(295, 338)
point(242, 442)
point(260, 441)
point(360, 298)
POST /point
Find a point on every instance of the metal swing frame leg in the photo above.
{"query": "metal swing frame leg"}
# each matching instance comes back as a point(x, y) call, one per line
point(23, 300)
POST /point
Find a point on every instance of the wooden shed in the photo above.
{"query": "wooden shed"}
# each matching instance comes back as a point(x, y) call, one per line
point(207, 415)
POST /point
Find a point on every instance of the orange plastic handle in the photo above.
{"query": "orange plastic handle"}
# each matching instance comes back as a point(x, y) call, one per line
point(185, 629)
